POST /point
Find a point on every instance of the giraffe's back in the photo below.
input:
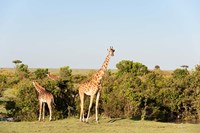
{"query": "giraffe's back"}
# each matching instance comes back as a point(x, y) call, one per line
point(46, 97)
point(89, 88)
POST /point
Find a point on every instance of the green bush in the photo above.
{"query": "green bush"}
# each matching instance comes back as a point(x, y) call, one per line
point(40, 73)
point(25, 105)
point(132, 91)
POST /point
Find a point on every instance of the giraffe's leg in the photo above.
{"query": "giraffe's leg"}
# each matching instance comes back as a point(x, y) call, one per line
point(43, 111)
point(82, 106)
point(50, 111)
point(97, 103)
point(91, 101)
point(40, 110)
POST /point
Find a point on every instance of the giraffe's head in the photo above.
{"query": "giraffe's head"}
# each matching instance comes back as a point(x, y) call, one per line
point(34, 82)
point(112, 51)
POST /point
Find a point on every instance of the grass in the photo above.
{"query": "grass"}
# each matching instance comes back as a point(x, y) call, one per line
point(106, 125)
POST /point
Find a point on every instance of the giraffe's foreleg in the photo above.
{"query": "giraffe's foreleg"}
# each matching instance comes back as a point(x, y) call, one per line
point(91, 101)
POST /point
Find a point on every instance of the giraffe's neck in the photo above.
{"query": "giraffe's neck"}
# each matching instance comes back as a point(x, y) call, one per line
point(102, 70)
point(105, 63)
point(39, 88)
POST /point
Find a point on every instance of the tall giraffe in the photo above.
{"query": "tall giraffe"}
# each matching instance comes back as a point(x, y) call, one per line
point(44, 97)
point(93, 87)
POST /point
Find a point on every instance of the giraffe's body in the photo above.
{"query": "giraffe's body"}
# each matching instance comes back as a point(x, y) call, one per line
point(44, 97)
point(93, 87)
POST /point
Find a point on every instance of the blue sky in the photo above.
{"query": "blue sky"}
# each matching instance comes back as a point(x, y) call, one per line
point(52, 34)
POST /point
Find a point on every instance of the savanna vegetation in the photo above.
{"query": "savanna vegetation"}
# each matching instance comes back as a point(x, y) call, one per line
point(107, 125)
point(132, 91)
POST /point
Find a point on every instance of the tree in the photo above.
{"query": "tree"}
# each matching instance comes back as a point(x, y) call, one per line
point(121, 95)
point(157, 67)
point(180, 73)
point(40, 73)
point(151, 105)
point(22, 71)
point(126, 66)
point(197, 68)
point(65, 73)
point(17, 62)
point(25, 105)
point(185, 66)
point(3, 82)
point(184, 84)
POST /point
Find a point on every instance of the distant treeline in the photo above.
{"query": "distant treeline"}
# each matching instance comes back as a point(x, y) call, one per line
point(132, 91)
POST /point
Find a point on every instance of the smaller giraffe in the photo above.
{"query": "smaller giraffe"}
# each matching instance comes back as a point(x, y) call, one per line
point(44, 97)
point(53, 77)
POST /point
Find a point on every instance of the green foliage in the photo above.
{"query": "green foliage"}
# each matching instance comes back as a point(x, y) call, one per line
point(3, 82)
point(22, 71)
point(126, 66)
point(132, 91)
point(151, 95)
point(26, 107)
point(197, 68)
point(157, 67)
point(119, 95)
point(41, 73)
point(3, 79)
point(65, 73)
point(64, 97)
point(26, 104)
point(150, 105)
point(11, 107)
point(17, 61)
point(78, 78)
point(180, 73)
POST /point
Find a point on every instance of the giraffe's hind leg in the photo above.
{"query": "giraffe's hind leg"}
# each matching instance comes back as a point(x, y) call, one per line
point(91, 101)
point(97, 102)
point(40, 111)
point(82, 107)
point(50, 111)
point(43, 111)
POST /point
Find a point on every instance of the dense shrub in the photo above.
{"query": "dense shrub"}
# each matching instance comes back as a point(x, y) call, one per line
point(132, 91)
point(40, 73)
point(25, 105)
point(151, 95)
point(136, 68)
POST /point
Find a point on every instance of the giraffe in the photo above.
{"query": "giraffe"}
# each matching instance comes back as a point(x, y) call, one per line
point(92, 87)
point(44, 97)
point(53, 77)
